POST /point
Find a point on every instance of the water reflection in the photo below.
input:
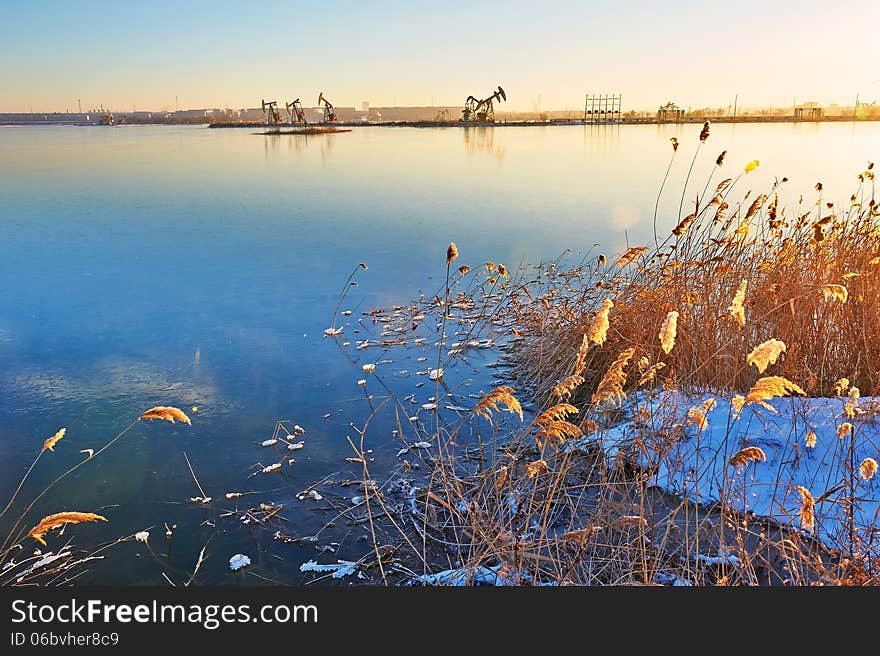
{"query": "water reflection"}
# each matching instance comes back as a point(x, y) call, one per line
point(113, 377)
point(481, 139)
point(601, 138)
point(196, 267)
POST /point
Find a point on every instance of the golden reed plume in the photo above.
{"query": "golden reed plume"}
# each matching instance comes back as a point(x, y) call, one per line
point(704, 133)
point(502, 395)
point(537, 468)
point(611, 386)
point(736, 404)
point(554, 424)
point(681, 229)
point(451, 253)
point(558, 412)
point(835, 293)
point(849, 409)
point(566, 386)
point(59, 519)
point(736, 309)
point(668, 332)
point(581, 360)
point(746, 455)
point(166, 413)
point(768, 388)
point(765, 354)
point(697, 414)
point(501, 478)
point(807, 511)
point(868, 468)
point(580, 536)
point(649, 375)
point(598, 332)
point(631, 254)
point(52, 441)
point(559, 431)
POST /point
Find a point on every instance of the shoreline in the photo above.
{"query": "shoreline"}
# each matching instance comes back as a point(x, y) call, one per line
point(463, 124)
point(556, 122)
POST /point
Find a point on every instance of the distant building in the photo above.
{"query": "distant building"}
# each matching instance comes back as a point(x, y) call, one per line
point(670, 113)
point(251, 114)
point(190, 114)
point(808, 111)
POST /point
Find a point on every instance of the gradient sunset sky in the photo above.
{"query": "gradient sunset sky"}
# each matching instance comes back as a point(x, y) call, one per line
point(232, 54)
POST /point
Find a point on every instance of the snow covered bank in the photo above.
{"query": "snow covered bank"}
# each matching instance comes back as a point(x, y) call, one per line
point(691, 458)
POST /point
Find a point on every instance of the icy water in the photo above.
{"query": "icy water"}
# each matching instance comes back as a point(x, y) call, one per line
point(199, 268)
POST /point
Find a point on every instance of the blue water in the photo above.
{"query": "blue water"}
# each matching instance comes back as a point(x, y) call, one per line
point(199, 268)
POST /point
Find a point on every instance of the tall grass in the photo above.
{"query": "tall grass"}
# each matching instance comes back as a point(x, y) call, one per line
point(743, 299)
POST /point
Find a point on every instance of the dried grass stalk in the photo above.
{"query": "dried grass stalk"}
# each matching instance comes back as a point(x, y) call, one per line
point(52, 441)
point(581, 360)
point(610, 388)
point(59, 519)
point(566, 386)
point(648, 377)
point(736, 309)
point(167, 413)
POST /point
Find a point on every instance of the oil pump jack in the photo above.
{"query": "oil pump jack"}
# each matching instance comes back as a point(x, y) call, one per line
point(296, 113)
point(482, 111)
point(273, 116)
point(329, 112)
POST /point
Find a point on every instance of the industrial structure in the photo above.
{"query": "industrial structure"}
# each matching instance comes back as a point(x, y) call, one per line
point(329, 112)
point(482, 111)
point(273, 116)
point(602, 108)
point(296, 113)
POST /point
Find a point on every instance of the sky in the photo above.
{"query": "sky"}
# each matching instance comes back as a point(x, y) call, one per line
point(154, 54)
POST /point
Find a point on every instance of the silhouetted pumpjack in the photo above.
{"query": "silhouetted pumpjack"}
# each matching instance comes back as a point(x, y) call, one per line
point(329, 112)
point(296, 113)
point(482, 111)
point(273, 116)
